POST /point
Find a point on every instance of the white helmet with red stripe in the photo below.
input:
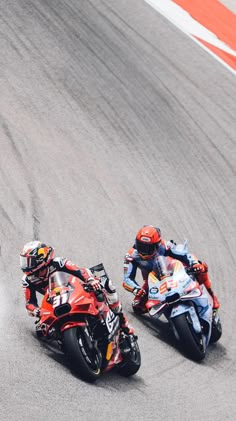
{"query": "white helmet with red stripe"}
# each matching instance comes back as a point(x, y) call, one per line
point(35, 256)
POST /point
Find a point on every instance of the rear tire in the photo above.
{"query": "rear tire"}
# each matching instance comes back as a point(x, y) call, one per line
point(85, 361)
point(191, 342)
point(131, 363)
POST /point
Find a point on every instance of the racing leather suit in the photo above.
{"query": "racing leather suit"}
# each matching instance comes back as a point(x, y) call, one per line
point(134, 261)
point(38, 283)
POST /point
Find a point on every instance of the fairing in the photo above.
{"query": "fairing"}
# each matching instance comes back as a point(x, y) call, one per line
point(175, 293)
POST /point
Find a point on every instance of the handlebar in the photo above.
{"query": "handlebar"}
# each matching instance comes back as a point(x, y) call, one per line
point(88, 288)
point(99, 293)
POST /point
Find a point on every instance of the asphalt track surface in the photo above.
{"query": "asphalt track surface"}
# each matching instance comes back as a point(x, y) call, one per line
point(111, 118)
point(230, 4)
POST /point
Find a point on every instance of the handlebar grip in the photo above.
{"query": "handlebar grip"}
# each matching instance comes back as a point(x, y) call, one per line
point(99, 293)
point(88, 287)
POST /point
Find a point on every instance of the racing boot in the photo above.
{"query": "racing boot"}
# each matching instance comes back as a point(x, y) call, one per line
point(216, 303)
point(202, 276)
point(38, 330)
point(124, 324)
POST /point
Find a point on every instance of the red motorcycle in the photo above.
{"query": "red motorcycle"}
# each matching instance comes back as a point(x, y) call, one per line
point(86, 329)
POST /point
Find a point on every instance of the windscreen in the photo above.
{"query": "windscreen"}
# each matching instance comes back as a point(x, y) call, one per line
point(167, 266)
point(58, 279)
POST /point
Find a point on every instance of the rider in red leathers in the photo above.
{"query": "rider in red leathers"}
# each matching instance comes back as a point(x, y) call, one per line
point(37, 261)
point(148, 246)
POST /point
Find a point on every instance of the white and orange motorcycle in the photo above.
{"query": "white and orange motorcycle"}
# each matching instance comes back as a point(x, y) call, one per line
point(187, 306)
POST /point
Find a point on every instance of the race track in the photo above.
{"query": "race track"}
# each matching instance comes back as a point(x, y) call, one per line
point(111, 118)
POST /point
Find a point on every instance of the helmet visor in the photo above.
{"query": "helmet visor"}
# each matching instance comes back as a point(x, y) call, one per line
point(146, 249)
point(28, 263)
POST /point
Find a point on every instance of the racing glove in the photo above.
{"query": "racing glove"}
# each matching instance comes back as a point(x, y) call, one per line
point(139, 292)
point(198, 267)
point(95, 284)
point(35, 312)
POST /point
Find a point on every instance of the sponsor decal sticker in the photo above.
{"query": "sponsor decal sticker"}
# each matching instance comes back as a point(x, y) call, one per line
point(154, 290)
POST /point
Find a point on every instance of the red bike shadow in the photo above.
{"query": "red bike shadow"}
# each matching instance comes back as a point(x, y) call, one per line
point(108, 380)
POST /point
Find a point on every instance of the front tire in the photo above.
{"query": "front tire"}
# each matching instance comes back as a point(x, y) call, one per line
point(191, 342)
point(86, 360)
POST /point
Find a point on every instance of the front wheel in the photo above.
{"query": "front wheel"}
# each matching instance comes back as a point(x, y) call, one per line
point(191, 342)
point(84, 357)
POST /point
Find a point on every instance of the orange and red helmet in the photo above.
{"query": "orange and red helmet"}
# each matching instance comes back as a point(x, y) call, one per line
point(147, 241)
point(35, 256)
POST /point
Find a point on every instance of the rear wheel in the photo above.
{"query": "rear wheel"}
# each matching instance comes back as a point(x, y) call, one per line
point(84, 357)
point(191, 342)
point(132, 361)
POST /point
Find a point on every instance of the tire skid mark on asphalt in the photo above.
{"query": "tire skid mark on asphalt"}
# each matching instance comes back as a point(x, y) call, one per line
point(34, 198)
